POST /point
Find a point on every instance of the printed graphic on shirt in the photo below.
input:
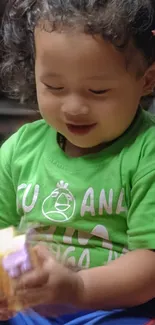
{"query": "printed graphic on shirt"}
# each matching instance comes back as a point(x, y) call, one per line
point(59, 206)
point(54, 216)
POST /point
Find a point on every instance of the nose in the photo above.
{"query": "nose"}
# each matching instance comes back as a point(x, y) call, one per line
point(74, 105)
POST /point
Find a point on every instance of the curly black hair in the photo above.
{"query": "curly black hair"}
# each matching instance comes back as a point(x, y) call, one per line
point(117, 21)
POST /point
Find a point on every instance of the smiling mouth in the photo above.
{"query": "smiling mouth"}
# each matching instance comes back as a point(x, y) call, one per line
point(80, 129)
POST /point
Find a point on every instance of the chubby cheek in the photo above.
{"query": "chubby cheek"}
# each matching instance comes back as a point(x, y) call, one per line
point(115, 116)
point(120, 118)
point(49, 107)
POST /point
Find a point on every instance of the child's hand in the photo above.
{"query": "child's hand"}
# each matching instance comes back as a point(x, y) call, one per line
point(5, 314)
point(50, 283)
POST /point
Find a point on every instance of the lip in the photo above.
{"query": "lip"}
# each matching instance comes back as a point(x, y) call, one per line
point(80, 129)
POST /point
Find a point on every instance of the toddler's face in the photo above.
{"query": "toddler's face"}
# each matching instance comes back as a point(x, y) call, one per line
point(84, 88)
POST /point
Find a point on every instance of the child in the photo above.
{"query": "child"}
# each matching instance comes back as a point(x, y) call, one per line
point(86, 172)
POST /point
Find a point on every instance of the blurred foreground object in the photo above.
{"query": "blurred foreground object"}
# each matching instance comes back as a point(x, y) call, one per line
point(16, 257)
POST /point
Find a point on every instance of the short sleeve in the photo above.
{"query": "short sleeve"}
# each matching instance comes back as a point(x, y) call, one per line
point(8, 212)
point(141, 214)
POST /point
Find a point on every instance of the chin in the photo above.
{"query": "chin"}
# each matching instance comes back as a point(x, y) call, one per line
point(84, 144)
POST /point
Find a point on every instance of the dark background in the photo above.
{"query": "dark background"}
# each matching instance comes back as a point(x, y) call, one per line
point(12, 113)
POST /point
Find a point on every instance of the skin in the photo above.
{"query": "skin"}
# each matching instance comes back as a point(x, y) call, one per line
point(77, 65)
point(113, 286)
point(5, 313)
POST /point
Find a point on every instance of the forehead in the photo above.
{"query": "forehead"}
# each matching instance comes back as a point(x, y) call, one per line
point(76, 53)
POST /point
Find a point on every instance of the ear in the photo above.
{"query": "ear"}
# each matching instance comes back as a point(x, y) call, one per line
point(149, 80)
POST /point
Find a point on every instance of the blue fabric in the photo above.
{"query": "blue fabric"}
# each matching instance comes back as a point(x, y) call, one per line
point(137, 316)
point(83, 318)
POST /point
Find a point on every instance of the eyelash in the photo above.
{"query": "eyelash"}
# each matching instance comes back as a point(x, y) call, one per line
point(96, 92)
point(54, 88)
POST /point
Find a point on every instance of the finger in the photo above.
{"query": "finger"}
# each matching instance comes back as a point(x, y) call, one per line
point(42, 252)
point(54, 310)
point(5, 314)
point(33, 279)
point(33, 297)
point(3, 304)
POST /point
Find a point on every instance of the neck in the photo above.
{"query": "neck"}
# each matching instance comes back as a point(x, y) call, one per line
point(74, 151)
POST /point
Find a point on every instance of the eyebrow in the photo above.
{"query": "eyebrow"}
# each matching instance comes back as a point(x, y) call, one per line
point(51, 74)
point(99, 77)
point(54, 74)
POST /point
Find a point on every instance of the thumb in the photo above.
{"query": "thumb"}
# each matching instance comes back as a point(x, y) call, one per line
point(42, 252)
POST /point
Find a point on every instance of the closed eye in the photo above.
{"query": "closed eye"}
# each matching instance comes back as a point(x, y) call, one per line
point(99, 92)
point(54, 88)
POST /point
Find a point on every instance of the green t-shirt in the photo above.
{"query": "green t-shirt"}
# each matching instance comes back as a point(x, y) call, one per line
point(96, 207)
